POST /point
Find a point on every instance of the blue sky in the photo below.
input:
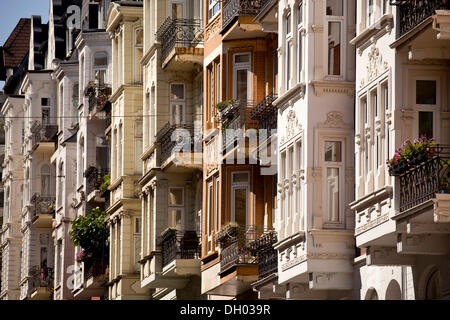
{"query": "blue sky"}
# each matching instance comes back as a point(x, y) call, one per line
point(12, 10)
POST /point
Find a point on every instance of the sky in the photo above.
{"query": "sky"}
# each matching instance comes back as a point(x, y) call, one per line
point(12, 10)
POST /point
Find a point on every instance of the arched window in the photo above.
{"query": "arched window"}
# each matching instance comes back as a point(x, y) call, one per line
point(45, 180)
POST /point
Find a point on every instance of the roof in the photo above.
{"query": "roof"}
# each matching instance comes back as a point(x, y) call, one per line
point(17, 45)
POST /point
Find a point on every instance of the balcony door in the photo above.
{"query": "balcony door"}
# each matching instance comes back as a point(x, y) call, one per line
point(239, 198)
point(177, 9)
point(242, 76)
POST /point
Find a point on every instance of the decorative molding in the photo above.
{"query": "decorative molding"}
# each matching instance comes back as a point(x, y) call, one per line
point(333, 87)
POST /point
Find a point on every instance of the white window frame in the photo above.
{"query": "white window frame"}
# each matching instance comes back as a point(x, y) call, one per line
point(341, 166)
point(176, 206)
point(287, 22)
point(181, 102)
point(209, 215)
point(370, 12)
point(300, 31)
point(103, 68)
point(242, 66)
point(435, 108)
point(237, 186)
point(342, 21)
point(138, 71)
point(211, 5)
point(137, 221)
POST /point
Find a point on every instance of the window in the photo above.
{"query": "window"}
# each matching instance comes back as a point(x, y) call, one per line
point(81, 162)
point(426, 92)
point(75, 103)
point(45, 102)
point(333, 167)
point(288, 64)
point(100, 67)
point(177, 104)
point(385, 6)
point(119, 151)
point(426, 123)
point(209, 217)
point(60, 180)
point(299, 41)
point(176, 208)
point(370, 19)
point(60, 108)
point(241, 72)
point(45, 116)
point(216, 206)
point(59, 258)
point(385, 91)
point(239, 198)
point(138, 146)
point(139, 52)
point(334, 23)
point(213, 8)
point(335, 7)
point(137, 243)
point(45, 180)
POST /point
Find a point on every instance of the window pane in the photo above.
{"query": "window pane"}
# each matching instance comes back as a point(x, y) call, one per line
point(242, 85)
point(241, 58)
point(240, 206)
point(425, 92)
point(288, 65)
point(240, 177)
point(100, 59)
point(177, 11)
point(288, 23)
point(210, 203)
point(333, 194)
point(175, 196)
point(45, 101)
point(335, 7)
point(333, 151)
point(177, 91)
point(334, 48)
point(426, 123)
point(300, 13)
point(175, 219)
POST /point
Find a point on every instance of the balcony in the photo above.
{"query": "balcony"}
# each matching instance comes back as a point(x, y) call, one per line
point(232, 9)
point(98, 95)
point(43, 210)
point(425, 177)
point(236, 116)
point(176, 144)
point(41, 283)
point(179, 38)
point(179, 245)
point(94, 180)
point(266, 114)
point(43, 134)
point(413, 12)
point(266, 255)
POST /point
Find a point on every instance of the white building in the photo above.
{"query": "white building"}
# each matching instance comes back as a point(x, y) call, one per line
point(402, 92)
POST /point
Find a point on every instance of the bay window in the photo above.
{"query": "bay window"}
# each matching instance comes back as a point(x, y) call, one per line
point(335, 37)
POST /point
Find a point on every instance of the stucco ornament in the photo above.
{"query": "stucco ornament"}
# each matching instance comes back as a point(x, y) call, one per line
point(376, 65)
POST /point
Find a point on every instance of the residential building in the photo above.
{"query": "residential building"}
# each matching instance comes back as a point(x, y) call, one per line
point(169, 228)
point(14, 59)
point(402, 94)
point(238, 74)
point(125, 26)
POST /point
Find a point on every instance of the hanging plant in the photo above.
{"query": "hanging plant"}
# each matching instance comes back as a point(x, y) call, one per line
point(91, 233)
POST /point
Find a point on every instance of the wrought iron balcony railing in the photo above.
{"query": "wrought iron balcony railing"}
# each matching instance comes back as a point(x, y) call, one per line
point(234, 119)
point(98, 95)
point(94, 178)
point(177, 244)
point(266, 255)
point(236, 8)
point(43, 133)
point(43, 204)
point(175, 138)
point(421, 182)
point(41, 277)
point(414, 12)
point(266, 113)
point(187, 33)
point(235, 245)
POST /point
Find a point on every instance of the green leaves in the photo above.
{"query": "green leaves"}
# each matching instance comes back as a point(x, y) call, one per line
point(90, 232)
point(106, 182)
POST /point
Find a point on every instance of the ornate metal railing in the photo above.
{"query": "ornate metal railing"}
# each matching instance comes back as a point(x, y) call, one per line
point(44, 133)
point(175, 138)
point(235, 245)
point(421, 182)
point(43, 204)
point(266, 113)
point(413, 12)
point(41, 277)
point(187, 33)
point(177, 244)
point(236, 8)
point(234, 118)
point(94, 178)
point(266, 255)
point(97, 95)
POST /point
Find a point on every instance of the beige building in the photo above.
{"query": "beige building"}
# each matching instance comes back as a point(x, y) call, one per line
point(125, 26)
point(171, 181)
